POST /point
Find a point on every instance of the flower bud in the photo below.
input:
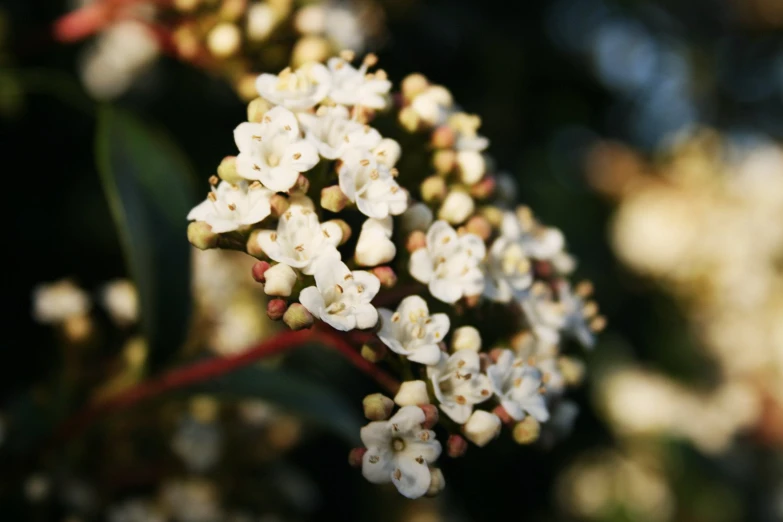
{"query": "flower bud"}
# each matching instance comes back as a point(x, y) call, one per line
point(374, 246)
point(443, 137)
point(301, 186)
point(456, 446)
point(279, 205)
point(259, 269)
point(374, 352)
point(433, 189)
point(227, 170)
point(224, 40)
point(415, 241)
point(275, 309)
point(484, 189)
point(493, 214)
point(297, 317)
point(430, 416)
point(480, 226)
point(385, 275)
point(437, 482)
point(573, 370)
point(253, 247)
point(444, 161)
point(256, 110)
point(409, 119)
point(471, 166)
point(412, 393)
point(201, 236)
point(598, 323)
point(310, 19)
point(245, 86)
point(356, 456)
point(526, 431)
point(232, 9)
point(503, 415)
point(345, 228)
point(457, 207)
point(377, 407)
point(417, 217)
point(261, 21)
point(280, 280)
point(481, 427)
point(413, 85)
point(310, 49)
point(466, 338)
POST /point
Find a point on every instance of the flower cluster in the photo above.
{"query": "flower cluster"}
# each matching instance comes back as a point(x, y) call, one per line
point(436, 255)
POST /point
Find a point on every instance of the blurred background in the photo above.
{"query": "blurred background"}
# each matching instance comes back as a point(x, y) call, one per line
point(648, 131)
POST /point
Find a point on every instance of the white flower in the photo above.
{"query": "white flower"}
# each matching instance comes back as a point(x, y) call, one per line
point(411, 330)
point(121, 300)
point(539, 242)
point(457, 207)
point(261, 21)
point(56, 302)
point(398, 451)
point(332, 132)
point(459, 384)
point(546, 316)
point(517, 387)
point(279, 280)
point(341, 298)
point(229, 207)
point(296, 90)
point(509, 271)
point(412, 393)
point(573, 307)
point(482, 427)
point(371, 185)
point(387, 152)
point(351, 86)
point(300, 240)
point(374, 246)
point(449, 264)
point(272, 151)
point(433, 105)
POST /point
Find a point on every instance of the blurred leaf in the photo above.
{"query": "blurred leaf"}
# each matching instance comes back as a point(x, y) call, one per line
point(148, 185)
point(293, 392)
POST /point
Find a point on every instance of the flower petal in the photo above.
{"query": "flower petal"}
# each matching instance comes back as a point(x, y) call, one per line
point(410, 478)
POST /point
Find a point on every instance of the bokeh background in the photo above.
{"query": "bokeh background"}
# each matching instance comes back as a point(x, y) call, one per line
point(647, 131)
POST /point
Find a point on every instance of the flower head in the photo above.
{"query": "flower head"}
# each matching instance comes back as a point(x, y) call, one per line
point(229, 207)
point(341, 298)
point(459, 384)
point(517, 385)
point(296, 90)
point(398, 451)
point(371, 185)
point(411, 330)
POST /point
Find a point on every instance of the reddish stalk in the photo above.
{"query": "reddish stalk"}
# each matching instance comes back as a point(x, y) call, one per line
point(90, 19)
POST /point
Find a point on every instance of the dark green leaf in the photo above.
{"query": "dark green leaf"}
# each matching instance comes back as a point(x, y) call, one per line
point(149, 187)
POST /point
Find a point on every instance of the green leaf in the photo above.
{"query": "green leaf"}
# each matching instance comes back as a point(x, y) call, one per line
point(293, 392)
point(149, 186)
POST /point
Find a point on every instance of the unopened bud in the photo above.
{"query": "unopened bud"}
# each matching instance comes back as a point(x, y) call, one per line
point(415, 241)
point(433, 189)
point(385, 275)
point(275, 309)
point(280, 280)
point(527, 431)
point(479, 226)
point(279, 205)
point(253, 247)
point(356, 457)
point(430, 416)
point(481, 427)
point(457, 207)
point(493, 214)
point(201, 236)
point(413, 85)
point(409, 119)
point(598, 323)
point(301, 186)
point(484, 189)
point(256, 110)
point(503, 415)
point(437, 482)
point(466, 338)
point(377, 407)
point(443, 137)
point(456, 446)
point(584, 289)
point(471, 165)
point(258, 270)
point(297, 317)
point(245, 86)
point(573, 370)
point(417, 217)
point(227, 170)
point(232, 9)
point(345, 228)
point(412, 393)
point(224, 40)
point(444, 161)
point(374, 352)
point(310, 49)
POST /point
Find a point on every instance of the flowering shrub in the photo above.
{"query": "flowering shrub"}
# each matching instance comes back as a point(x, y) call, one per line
point(408, 246)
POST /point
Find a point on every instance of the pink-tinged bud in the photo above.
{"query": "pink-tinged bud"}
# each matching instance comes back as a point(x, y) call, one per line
point(416, 240)
point(253, 246)
point(443, 137)
point(279, 205)
point(377, 407)
point(484, 362)
point(301, 186)
point(430, 416)
point(227, 170)
point(495, 353)
point(472, 301)
point(385, 275)
point(527, 431)
point(333, 199)
point(433, 189)
point(374, 351)
point(345, 228)
point(297, 317)
point(201, 236)
point(456, 446)
point(480, 226)
point(356, 457)
point(276, 308)
point(444, 161)
point(503, 415)
point(259, 268)
point(443, 347)
point(484, 189)
point(437, 482)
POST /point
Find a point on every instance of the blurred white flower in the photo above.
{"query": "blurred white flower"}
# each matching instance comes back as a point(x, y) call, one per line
point(411, 330)
point(539, 242)
point(459, 384)
point(198, 444)
point(57, 302)
point(121, 301)
point(371, 185)
point(296, 90)
point(517, 386)
point(457, 207)
point(509, 271)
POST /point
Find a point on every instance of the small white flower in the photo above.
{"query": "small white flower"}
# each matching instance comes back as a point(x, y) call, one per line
point(332, 132)
point(459, 384)
point(371, 185)
point(539, 242)
point(433, 105)
point(341, 298)
point(482, 427)
point(457, 207)
point(509, 271)
point(398, 451)
point(546, 317)
point(387, 152)
point(57, 302)
point(296, 90)
point(517, 386)
point(449, 264)
point(466, 338)
point(229, 207)
point(279, 280)
point(417, 217)
point(272, 151)
point(573, 307)
point(121, 301)
point(300, 240)
point(411, 330)
point(412, 393)
point(351, 86)
point(374, 246)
